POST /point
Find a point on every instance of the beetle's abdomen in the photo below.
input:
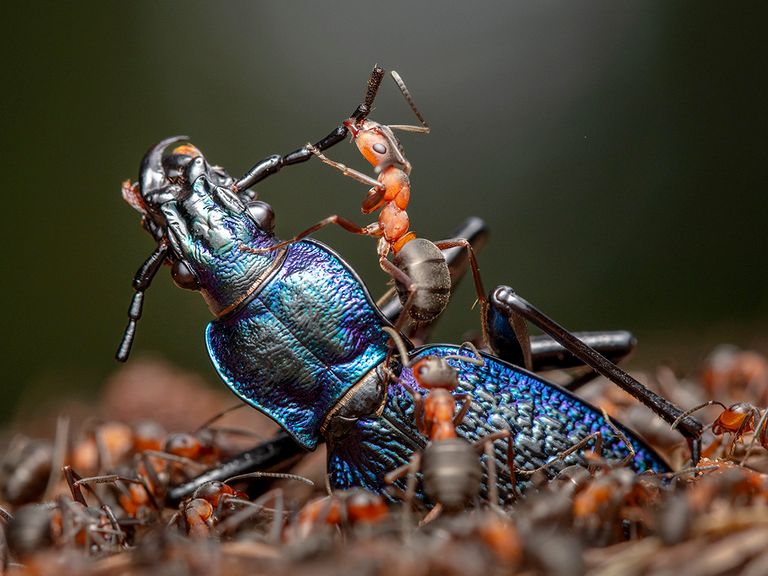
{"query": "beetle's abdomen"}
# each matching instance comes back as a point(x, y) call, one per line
point(425, 265)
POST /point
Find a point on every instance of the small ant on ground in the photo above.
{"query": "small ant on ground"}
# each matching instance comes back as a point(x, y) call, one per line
point(344, 509)
point(418, 267)
point(738, 419)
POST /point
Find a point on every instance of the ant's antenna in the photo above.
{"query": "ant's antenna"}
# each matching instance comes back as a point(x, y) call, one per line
point(424, 128)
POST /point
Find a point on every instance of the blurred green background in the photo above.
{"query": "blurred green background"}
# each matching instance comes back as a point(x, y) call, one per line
point(616, 150)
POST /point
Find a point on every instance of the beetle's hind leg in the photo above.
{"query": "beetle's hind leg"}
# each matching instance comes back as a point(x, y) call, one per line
point(504, 304)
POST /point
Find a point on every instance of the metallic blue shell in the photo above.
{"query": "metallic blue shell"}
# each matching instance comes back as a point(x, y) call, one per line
point(544, 420)
point(207, 228)
point(301, 342)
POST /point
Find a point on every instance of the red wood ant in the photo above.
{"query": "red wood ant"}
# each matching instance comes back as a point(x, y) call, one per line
point(418, 267)
point(344, 508)
point(449, 464)
point(738, 419)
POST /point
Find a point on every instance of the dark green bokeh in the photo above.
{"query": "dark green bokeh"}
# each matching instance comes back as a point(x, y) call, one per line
point(616, 150)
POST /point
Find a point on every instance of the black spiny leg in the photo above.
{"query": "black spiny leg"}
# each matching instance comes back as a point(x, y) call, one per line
point(505, 304)
point(273, 164)
point(141, 281)
point(276, 454)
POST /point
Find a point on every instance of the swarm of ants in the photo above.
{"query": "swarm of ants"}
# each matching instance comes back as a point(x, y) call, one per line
point(95, 498)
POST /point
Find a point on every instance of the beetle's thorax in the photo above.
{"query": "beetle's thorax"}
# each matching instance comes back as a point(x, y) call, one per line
point(208, 229)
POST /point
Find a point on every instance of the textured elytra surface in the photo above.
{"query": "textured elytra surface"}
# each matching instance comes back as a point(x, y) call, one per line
point(544, 420)
point(309, 335)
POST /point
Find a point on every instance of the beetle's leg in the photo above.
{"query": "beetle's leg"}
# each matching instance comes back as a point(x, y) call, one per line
point(141, 281)
point(504, 303)
point(274, 454)
point(272, 164)
point(546, 354)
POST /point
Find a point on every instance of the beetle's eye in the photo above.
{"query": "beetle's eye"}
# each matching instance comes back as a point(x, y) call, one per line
point(262, 214)
point(423, 370)
point(183, 276)
point(380, 148)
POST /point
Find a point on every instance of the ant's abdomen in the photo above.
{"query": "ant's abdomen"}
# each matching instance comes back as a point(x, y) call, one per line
point(425, 265)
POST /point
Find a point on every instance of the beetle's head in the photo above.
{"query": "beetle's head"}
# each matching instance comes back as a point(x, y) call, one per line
point(190, 205)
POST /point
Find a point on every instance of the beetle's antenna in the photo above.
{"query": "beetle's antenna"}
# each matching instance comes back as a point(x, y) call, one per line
point(141, 281)
point(424, 128)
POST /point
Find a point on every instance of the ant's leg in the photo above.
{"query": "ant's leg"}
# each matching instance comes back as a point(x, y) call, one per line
point(349, 226)
point(347, 171)
point(486, 442)
point(759, 433)
point(273, 164)
point(400, 278)
point(519, 326)
point(596, 436)
point(466, 402)
point(506, 303)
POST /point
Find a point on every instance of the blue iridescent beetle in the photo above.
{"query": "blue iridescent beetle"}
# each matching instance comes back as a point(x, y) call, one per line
point(297, 336)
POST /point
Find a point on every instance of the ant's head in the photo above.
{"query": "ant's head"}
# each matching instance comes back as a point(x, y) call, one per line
point(435, 372)
point(378, 144)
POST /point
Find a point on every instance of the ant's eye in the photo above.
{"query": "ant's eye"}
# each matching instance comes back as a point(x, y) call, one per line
point(380, 148)
point(423, 370)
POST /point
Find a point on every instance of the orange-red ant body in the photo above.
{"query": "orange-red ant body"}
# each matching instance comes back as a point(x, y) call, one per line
point(344, 508)
point(738, 419)
point(418, 267)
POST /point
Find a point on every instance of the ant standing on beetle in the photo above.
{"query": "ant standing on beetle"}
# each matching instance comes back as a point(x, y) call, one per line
point(418, 267)
point(449, 464)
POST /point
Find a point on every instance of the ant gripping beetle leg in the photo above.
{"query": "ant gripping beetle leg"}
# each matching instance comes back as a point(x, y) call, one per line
point(418, 267)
